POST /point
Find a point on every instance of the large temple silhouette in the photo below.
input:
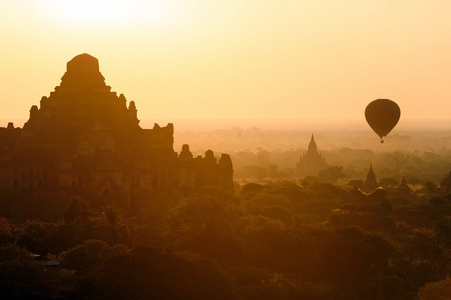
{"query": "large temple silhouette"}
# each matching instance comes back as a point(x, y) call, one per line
point(84, 136)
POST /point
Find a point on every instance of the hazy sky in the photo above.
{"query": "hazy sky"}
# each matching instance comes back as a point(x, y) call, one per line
point(295, 59)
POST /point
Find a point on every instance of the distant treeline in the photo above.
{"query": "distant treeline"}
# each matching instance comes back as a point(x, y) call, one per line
point(302, 239)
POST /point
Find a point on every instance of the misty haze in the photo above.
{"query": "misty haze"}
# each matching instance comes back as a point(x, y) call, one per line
point(225, 150)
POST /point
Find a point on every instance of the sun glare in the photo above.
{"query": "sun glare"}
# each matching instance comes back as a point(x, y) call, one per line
point(103, 13)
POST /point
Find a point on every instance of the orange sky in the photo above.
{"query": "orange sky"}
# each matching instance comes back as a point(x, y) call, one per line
point(285, 59)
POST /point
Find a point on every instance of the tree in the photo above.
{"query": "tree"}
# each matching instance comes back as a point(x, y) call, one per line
point(413, 180)
point(443, 228)
point(111, 228)
point(397, 160)
point(357, 183)
point(388, 182)
point(21, 277)
point(202, 224)
point(251, 188)
point(273, 171)
point(89, 255)
point(430, 187)
point(220, 193)
point(77, 209)
point(39, 237)
point(331, 174)
point(436, 290)
point(262, 239)
point(6, 231)
point(309, 180)
point(254, 171)
point(279, 213)
point(151, 273)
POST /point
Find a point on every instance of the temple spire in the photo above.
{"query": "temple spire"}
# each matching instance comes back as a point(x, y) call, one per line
point(403, 187)
point(312, 145)
point(312, 161)
point(370, 182)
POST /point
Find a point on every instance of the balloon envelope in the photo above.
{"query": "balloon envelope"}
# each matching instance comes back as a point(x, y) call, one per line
point(382, 115)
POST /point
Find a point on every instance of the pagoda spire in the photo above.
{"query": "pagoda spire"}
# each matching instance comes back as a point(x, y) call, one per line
point(403, 187)
point(312, 145)
point(370, 182)
point(312, 161)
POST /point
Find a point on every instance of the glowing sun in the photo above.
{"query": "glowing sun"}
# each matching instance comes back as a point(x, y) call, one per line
point(111, 13)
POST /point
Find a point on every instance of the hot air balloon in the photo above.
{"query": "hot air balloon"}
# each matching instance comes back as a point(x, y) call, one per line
point(382, 115)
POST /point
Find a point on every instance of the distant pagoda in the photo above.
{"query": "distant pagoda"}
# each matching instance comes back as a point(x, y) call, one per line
point(370, 183)
point(403, 187)
point(312, 162)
